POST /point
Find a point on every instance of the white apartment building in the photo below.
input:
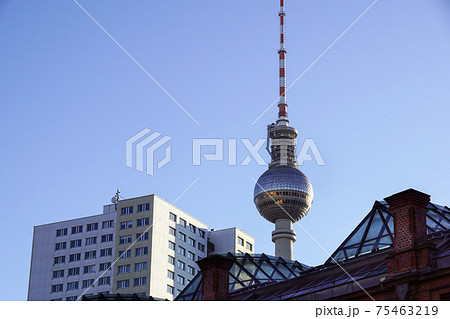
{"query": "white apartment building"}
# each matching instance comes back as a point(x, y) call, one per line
point(231, 240)
point(157, 247)
point(142, 245)
point(68, 257)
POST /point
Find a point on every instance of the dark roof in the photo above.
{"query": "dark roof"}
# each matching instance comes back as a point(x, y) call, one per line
point(249, 270)
point(362, 254)
point(376, 230)
point(119, 297)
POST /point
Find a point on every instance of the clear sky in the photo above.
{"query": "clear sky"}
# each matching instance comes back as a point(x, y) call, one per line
point(376, 105)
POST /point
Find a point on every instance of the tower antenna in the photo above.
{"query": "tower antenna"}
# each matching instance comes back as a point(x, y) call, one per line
point(282, 104)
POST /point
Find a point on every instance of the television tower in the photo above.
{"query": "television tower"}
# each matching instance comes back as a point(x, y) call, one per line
point(283, 194)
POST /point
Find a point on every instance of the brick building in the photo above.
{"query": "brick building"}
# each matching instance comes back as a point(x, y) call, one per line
point(399, 251)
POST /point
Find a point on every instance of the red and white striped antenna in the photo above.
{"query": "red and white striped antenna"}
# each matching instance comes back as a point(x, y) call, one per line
point(282, 104)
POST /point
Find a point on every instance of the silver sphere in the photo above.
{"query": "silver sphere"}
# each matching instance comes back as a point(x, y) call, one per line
point(284, 186)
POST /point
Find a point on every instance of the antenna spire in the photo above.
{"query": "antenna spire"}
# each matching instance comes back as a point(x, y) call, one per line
point(282, 104)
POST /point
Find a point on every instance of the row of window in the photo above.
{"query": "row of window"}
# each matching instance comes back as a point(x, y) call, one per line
point(87, 255)
point(140, 208)
point(248, 245)
point(88, 241)
point(182, 251)
point(181, 265)
point(88, 269)
point(127, 268)
point(183, 223)
point(79, 229)
point(74, 285)
point(190, 241)
point(129, 238)
point(139, 222)
point(138, 252)
point(141, 281)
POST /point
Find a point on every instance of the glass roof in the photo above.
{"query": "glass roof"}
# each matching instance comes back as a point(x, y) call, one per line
point(249, 270)
point(376, 230)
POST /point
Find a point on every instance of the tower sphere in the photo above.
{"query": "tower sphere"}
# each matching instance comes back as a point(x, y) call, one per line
point(284, 186)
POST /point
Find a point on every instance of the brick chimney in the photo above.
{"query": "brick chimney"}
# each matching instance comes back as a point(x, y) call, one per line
point(215, 276)
point(411, 249)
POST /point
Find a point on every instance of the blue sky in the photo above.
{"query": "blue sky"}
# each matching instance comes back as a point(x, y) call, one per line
point(376, 105)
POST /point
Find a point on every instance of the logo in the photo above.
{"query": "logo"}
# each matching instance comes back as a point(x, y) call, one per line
point(142, 141)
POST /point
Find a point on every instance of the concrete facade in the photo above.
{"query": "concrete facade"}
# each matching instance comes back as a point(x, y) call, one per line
point(160, 264)
point(61, 251)
point(175, 242)
point(231, 240)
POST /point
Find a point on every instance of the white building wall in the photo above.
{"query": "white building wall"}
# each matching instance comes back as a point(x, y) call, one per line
point(43, 253)
point(231, 240)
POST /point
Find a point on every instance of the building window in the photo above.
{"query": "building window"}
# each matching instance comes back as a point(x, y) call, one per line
point(105, 266)
point(88, 269)
point(92, 227)
point(125, 254)
point(123, 283)
point(191, 255)
point(240, 241)
point(56, 299)
point(181, 265)
point(127, 210)
point(126, 225)
point(181, 236)
point(143, 236)
point(170, 289)
point(249, 246)
point(75, 243)
point(87, 283)
point(181, 280)
point(191, 241)
point(141, 251)
point(58, 274)
point(142, 281)
point(91, 241)
point(192, 228)
point(182, 222)
point(171, 260)
point(201, 233)
point(125, 239)
point(143, 222)
point(172, 231)
point(107, 238)
point(57, 288)
point(90, 255)
point(104, 281)
point(77, 229)
point(171, 245)
point(105, 252)
point(140, 266)
point(59, 246)
point(173, 217)
point(201, 247)
point(61, 232)
point(181, 251)
point(75, 257)
point(240, 252)
point(191, 270)
point(170, 274)
point(73, 271)
point(123, 269)
point(143, 207)
point(108, 224)
point(72, 285)
point(71, 298)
